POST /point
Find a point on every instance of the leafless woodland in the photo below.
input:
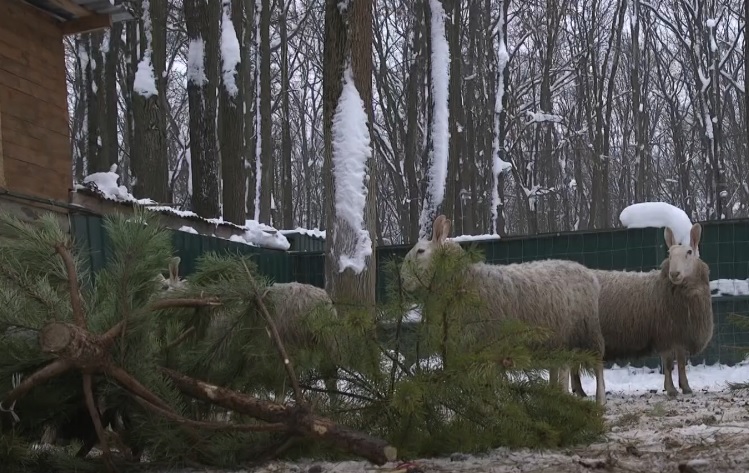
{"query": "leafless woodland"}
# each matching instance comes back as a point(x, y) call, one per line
point(605, 103)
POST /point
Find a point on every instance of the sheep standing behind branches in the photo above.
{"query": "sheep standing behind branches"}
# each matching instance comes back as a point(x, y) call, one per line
point(561, 296)
point(666, 311)
point(290, 304)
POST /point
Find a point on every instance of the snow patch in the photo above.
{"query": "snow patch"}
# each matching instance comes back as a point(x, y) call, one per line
point(196, 62)
point(106, 184)
point(729, 287)
point(543, 117)
point(315, 232)
point(627, 379)
point(145, 80)
point(230, 56)
point(187, 229)
point(658, 215)
point(463, 238)
point(351, 150)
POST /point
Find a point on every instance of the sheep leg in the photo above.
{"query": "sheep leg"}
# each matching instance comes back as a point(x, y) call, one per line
point(554, 376)
point(600, 384)
point(564, 379)
point(681, 363)
point(577, 385)
point(668, 367)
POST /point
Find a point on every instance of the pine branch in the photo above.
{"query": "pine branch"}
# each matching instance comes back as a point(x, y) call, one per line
point(181, 338)
point(276, 427)
point(183, 303)
point(96, 418)
point(56, 368)
point(134, 386)
point(79, 316)
point(273, 332)
point(296, 418)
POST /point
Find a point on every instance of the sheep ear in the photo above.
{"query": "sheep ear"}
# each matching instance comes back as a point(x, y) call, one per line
point(438, 229)
point(174, 268)
point(446, 224)
point(694, 236)
point(668, 235)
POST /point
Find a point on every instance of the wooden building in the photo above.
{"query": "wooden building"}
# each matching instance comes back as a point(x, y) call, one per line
point(35, 147)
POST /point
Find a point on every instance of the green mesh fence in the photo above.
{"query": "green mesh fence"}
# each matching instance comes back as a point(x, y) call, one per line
point(724, 246)
point(90, 236)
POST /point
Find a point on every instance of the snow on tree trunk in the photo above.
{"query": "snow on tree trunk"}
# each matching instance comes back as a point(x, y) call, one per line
point(351, 150)
point(440, 73)
point(145, 81)
point(498, 164)
point(229, 50)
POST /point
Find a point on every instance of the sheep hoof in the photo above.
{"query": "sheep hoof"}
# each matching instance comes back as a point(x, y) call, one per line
point(672, 392)
point(686, 390)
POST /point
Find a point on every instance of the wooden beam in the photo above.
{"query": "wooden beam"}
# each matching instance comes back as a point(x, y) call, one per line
point(71, 6)
point(86, 24)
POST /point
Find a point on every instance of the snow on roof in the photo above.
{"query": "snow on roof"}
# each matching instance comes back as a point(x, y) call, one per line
point(658, 215)
point(104, 185)
point(314, 233)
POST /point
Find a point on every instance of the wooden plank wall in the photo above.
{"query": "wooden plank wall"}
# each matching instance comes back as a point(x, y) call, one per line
point(33, 102)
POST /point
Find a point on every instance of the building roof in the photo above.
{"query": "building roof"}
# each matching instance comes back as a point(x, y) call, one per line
point(71, 10)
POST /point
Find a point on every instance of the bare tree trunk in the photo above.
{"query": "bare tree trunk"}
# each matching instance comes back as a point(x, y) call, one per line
point(232, 127)
point(202, 30)
point(348, 38)
point(149, 158)
point(248, 89)
point(411, 144)
point(746, 85)
point(452, 207)
point(287, 205)
point(94, 103)
point(109, 132)
point(266, 145)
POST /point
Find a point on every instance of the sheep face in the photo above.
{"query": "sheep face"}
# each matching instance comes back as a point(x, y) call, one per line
point(417, 268)
point(174, 281)
point(683, 259)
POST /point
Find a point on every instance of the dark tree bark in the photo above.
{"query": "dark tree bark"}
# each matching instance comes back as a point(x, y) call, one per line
point(348, 38)
point(149, 154)
point(266, 145)
point(202, 31)
point(231, 116)
point(287, 206)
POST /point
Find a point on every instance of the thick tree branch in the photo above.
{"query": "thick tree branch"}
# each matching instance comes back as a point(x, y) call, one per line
point(297, 419)
point(49, 371)
point(276, 427)
point(79, 316)
point(88, 393)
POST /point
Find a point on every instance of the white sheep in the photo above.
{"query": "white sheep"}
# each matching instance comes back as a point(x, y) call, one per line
point(561, 296)
point(288, 304)
point(174, 282)
point(666, 311)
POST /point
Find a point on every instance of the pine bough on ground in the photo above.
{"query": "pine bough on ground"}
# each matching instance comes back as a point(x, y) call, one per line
point(185, 376)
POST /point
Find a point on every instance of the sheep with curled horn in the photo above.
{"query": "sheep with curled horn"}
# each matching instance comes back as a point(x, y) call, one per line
point(666, 311)
point(561, 296)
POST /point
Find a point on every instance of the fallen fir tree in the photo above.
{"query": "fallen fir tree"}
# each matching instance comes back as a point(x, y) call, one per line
point(70, 340)
point(187, 377)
